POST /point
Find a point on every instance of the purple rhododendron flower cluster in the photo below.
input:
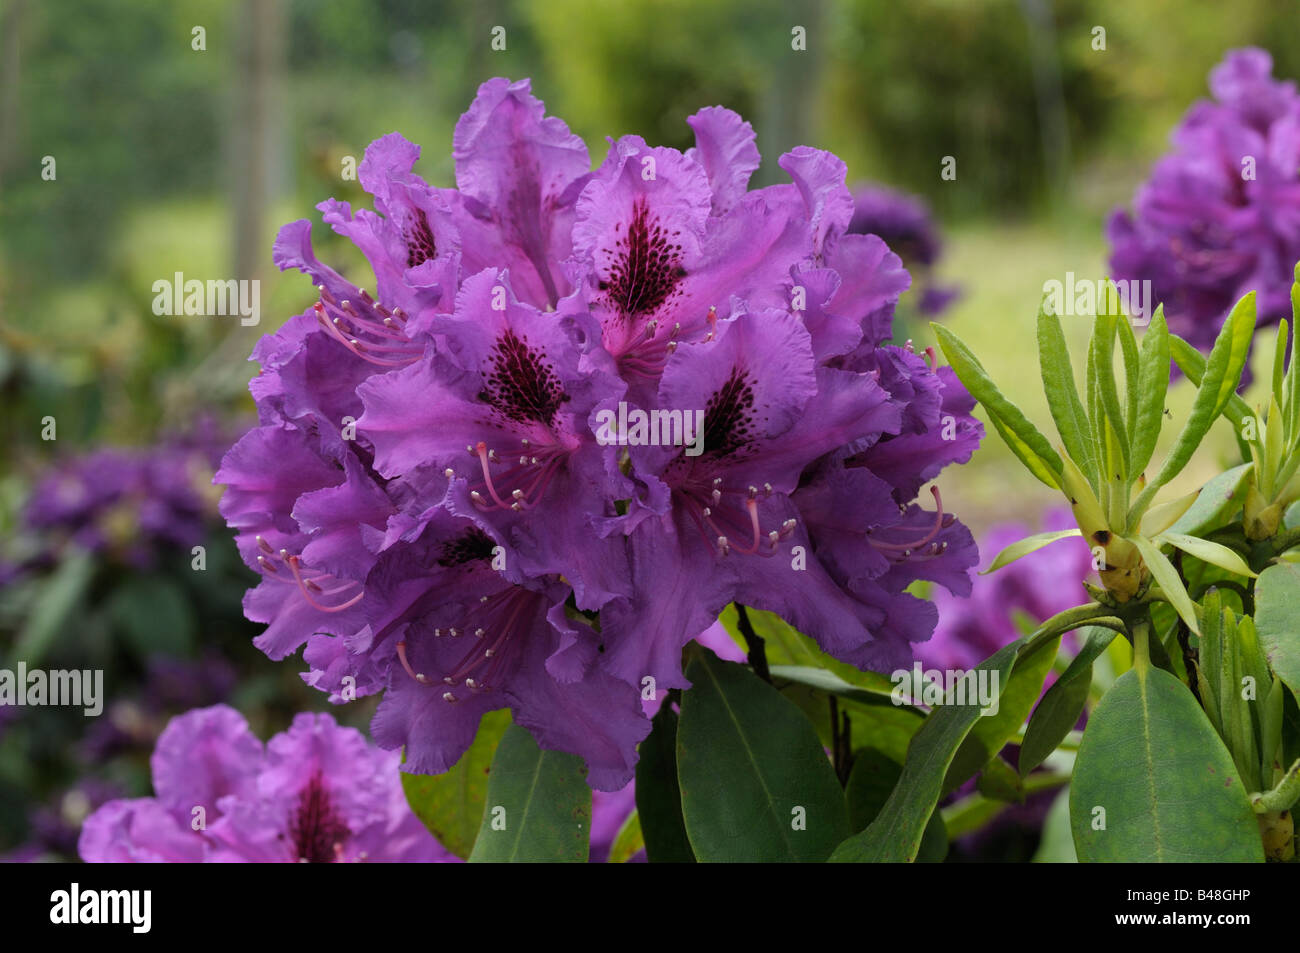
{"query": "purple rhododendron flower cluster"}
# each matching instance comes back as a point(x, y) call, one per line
point(127, 502)
point(582, 412)
point(1220, 216)
point(904, 223)
point(1034, 587)
point(315, 793)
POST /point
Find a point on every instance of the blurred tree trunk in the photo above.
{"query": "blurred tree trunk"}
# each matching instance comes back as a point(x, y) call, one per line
point(255, 132)
point(787, 110)
point(11, 29)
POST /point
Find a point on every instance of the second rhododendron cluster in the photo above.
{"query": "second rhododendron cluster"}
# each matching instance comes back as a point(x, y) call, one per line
point(579, 413)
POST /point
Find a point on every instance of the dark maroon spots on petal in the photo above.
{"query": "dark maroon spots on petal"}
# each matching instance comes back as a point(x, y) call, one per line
point(420, 246)
point(315, 828)
point(521, 383)
point(646, 267)
point(474, 545)
point(729, 416)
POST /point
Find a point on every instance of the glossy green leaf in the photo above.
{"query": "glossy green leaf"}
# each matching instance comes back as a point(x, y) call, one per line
point(829, 682)
point(537, 807)
point(896, 833)
point(1063, 397)
point(1152, 386)
point(1026, 546)
point(658, 798)
point(1153, 782)
point(1192, 363)
point(451, 804)
point(1024, 439)
point(756, 784)
point(1277, 620)
point(1059, 710)
point(1057, 843)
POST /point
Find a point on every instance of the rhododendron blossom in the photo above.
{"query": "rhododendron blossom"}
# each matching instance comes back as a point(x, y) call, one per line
point(435, 502)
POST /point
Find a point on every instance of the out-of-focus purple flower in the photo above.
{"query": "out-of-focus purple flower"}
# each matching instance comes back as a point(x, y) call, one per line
point(1220, 215)
point(56, 826)
point(316, 793)
point(130, 503)
point(1036, 586)
point(905, 224)
point(444, 504)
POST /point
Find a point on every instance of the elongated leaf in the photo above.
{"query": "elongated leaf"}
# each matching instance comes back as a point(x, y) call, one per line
point(451, 804)
point(1026, 546)
point(871, 781)
point(1058, 712)
point(1063, 397)
point(1153, 782)
point(1218, 386)
point(658, 798)
point(1132, 373)
point(1213, 553)
point(538, 805)
point(1217, 501)
point(1057, 843)
point(1192, 363)
point(1152, 387)
point(1167, 578)
point(1024, 439)
point(1277, 620)
point(58, 599)
point(895, 835)
point(831, 683)
point(1102, 367)
point(1160, 518)
point(756, 784)
point(992, 732)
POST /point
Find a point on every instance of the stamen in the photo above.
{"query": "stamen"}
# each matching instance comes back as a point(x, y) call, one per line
point(906, 548)
point(401, 655)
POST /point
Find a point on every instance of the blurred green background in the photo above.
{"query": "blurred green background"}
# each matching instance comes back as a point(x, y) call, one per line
point(169, 158)
point(173, 159)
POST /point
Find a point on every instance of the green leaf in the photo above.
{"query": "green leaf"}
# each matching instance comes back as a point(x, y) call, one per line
point(871, 781)
point(1282, 796)
point(1192, 363)
point(1215, 554)
point(538, 805)
point(59, 596)
point(1132, 372)
point(1026, 546)
point(1217, 388)
point(1152, 386)
point(832, 684)
point(658, 798)
point(1057, 843)
point(1166, 576)
point(896, 833)
point(1018, 694)
point(1063, 397)
point(1058, 712)
point(1219, 499)
point(1102, 366)
point(1277, 620)
point(628, 840)
point(1024, 439)
point(1153, 771)
point(756, 784)
point(451, 804)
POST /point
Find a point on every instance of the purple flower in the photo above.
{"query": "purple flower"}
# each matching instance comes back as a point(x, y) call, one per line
point(446, 503)
point(1025, 592)
point(1220, 215)
point(317, 792)
point(904, 223)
